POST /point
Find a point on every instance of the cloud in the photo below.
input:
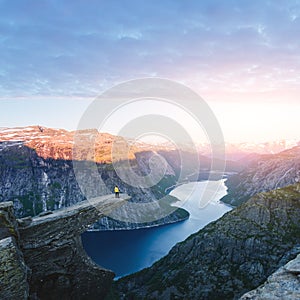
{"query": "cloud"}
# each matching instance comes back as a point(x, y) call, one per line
point(74, 48)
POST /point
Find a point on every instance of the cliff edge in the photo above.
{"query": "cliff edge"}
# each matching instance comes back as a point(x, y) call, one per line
point(228, 257)
point(43, 257)
point(283, 284)
point(13, 271)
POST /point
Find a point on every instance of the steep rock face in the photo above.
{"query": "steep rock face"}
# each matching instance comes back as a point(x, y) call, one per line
point(142, 215)
point(283, 284)
point(35, 184)
point(52, 248)
point(36, 172)
point(266, 173)
point(228, 257)
point(13, 271)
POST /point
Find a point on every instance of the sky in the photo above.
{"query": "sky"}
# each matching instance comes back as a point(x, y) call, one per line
point(242, 57)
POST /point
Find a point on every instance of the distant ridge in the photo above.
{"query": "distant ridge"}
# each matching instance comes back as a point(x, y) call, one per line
point(61, 141)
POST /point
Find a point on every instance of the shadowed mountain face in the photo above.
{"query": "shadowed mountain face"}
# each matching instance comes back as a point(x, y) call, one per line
point(222, 261)
point(35, 184)
point(37, 169)
point(283, 284)
point(228, 257)
point(265, 173)
point(43, 257)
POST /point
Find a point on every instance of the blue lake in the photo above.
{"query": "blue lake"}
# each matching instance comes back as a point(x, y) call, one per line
point(128, 251)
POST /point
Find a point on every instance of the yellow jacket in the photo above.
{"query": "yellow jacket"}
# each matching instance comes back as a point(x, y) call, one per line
point(116, 189)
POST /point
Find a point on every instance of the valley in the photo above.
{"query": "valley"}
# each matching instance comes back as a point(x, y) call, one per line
point(225, 259)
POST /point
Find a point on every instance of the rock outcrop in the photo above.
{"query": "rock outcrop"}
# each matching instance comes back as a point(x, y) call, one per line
point(134, 215)
point(49, 249)
point(13, 271)
point(229, 256)
point(35, 184)
point(265, 173)
point(37, 172)
point(283, 284)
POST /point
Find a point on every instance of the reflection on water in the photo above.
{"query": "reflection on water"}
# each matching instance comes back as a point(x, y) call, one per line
point(128, 251)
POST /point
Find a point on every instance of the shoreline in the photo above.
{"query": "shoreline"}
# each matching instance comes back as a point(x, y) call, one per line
point(143, 227)
point(224, 179)
point(163, 237)
point(170, 222)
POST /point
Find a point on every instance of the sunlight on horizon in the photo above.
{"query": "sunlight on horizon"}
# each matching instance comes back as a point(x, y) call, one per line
point(258, 122)
point(240, 121)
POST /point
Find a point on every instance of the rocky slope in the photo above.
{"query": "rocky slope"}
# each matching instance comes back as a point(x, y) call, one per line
point(52, 249)
point(37, 174)
point(43, 257)
point(35, 184)
point(228, 257)
point(265, 173)
point(14, 273)
point(283, 284)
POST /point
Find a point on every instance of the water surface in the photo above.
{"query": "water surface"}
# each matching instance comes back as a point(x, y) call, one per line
point(127, 251)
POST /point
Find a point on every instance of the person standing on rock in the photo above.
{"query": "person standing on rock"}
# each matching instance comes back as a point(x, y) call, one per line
point(117, 192)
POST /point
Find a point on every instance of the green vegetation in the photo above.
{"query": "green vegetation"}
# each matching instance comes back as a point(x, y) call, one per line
point(15, 160)
point(55, 185)
point(6, 225)
point(229, 256)
point(31, 204)
point(159, 189)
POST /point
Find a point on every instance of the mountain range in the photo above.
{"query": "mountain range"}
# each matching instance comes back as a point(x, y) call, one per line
point(225, 259)
point(58, 143)
point(37, 171)
point(229, 256)
point(264, 173)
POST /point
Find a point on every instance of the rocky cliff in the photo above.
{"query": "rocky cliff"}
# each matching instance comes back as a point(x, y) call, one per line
point(35, 184)
point(264, 173)
point(13, 270)
point(48, 248)
point(283, 284)
point(37, 172)
point(228, 257)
